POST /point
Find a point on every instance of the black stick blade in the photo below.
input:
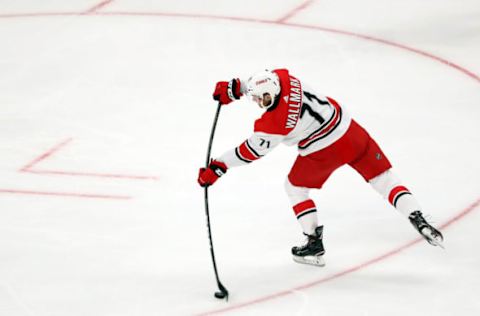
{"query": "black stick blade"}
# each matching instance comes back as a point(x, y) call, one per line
point(223, 293)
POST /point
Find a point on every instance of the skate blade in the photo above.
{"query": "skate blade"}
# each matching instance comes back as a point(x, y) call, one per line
point(311, 260)
point(433, 239)
point(436, 242)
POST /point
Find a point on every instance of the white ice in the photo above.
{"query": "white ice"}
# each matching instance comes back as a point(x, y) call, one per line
point(105, 114)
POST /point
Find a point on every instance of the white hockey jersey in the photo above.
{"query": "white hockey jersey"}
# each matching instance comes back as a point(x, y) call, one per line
point(300, 117)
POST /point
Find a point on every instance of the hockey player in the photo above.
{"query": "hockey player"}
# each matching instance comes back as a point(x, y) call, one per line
point(326, 137)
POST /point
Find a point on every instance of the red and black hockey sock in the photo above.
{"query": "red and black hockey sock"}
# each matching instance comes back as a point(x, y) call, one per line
point(306, 213)
point(403, 200)
point(396, 193)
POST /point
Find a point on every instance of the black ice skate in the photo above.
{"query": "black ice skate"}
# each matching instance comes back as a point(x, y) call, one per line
point(430, 233)
point(312, 252)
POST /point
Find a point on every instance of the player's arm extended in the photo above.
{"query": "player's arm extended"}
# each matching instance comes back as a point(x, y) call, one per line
point(254, 148)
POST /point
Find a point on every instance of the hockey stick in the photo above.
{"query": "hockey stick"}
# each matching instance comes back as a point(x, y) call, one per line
point(222, 293)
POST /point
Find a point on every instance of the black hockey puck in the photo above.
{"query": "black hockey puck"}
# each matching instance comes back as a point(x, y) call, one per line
point(220, 295)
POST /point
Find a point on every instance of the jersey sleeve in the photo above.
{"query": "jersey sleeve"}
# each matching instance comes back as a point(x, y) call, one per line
point(254, 148)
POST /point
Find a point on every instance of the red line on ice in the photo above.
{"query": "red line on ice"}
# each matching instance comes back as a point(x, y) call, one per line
point(444, 61)
point(36, 14)
point(252, 20)
point(347, 271)
point(30, 167)
point(66, 194)
point(92, 174)
point(99, 6)
point(389, 43)
point(295, 11)
point(48, 153)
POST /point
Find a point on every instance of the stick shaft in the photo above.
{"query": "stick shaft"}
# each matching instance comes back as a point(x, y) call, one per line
point(207, 211)
point(212, 134)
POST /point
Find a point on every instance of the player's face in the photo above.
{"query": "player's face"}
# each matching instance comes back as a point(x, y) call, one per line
point(263, 102)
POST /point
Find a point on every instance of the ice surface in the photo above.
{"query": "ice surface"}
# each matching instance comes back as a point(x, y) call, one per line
point(105, 119)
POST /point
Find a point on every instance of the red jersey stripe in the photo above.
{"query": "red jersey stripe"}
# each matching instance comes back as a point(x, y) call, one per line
point(246, 153)
point(333, 123)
